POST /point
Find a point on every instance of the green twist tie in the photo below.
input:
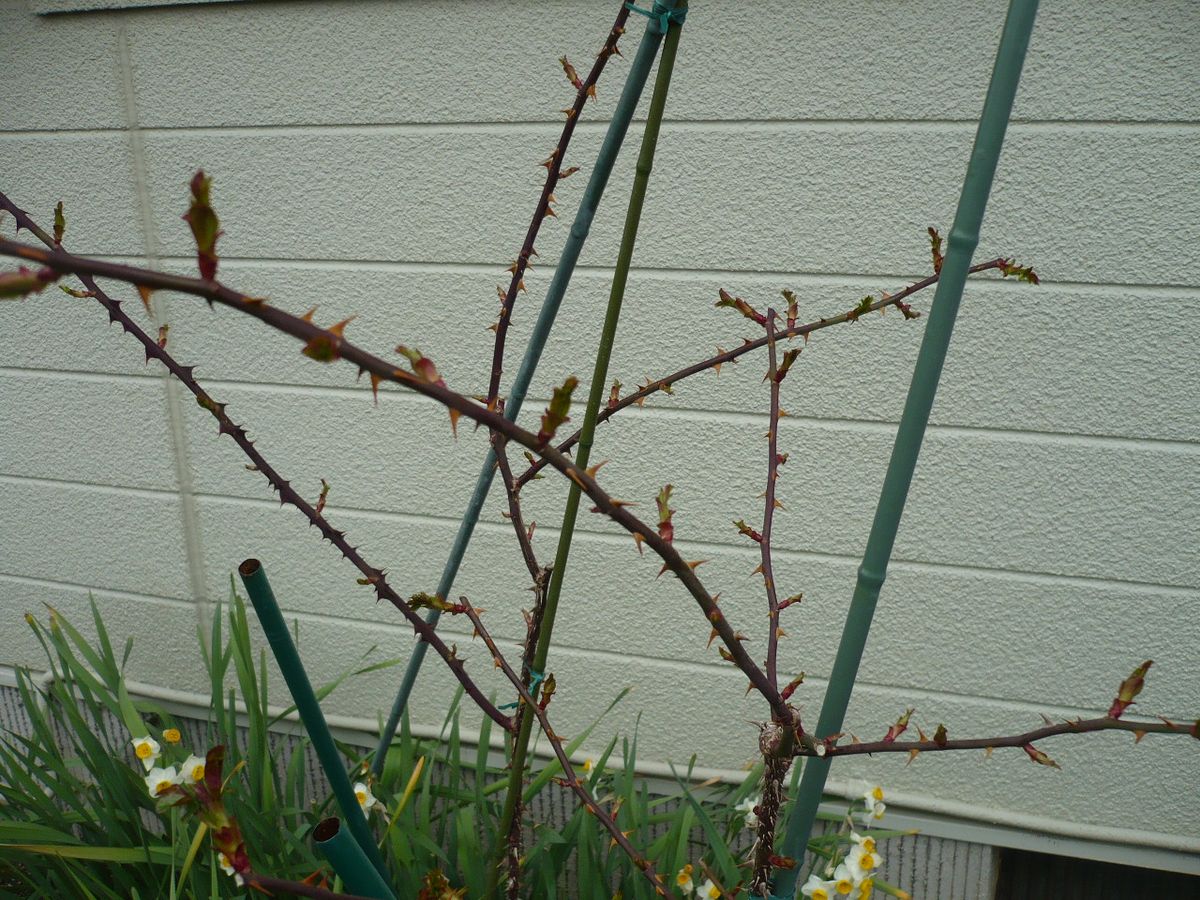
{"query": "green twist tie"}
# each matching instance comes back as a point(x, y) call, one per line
point(660, 14)
point(534, 681)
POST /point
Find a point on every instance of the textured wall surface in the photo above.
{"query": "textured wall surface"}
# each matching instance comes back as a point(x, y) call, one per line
point(380, 159)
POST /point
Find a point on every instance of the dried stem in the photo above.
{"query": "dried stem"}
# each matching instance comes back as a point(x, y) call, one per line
point(768, 571)
point(572, 780)
point(542, 210)
point(1075, 726)
point(775, 743)
point(287, 494)
point(337, 347)
point(713, 362)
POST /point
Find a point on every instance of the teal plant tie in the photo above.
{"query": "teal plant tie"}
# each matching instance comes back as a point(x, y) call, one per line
point(964, 235)
point(639, 71)
point(660, 15)
point(535, 678)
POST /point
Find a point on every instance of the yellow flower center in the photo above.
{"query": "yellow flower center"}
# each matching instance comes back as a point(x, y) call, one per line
point(844, 886)
point(198, 772)
point(868, 844)
point(172, 736)
point(143, 751)
point(864, 889)
point(820, 894)
point(877, 793)
point(161, 786)
point(868, 861)
point(362, 797)
point(714, 893)
point(684, 876)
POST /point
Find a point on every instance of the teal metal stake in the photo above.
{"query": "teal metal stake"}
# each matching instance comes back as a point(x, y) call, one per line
point(616, 295)
point(346, 857)
point(275, 629)
point(639, 71)
point(964, 235)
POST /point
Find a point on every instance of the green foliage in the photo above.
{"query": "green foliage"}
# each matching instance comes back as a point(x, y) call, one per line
point(25, 281)
point(78, 820)
point(206, 228)
point(556, 413)
point(1010, 269)
point(935, 249)
point(727, 299)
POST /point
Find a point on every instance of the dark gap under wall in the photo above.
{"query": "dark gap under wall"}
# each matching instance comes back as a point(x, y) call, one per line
point(1025, 875)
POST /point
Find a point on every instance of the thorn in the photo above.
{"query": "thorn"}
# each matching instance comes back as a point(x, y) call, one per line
point(145, 292)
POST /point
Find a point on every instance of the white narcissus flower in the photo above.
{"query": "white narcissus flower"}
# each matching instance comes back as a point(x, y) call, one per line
point(862, 863)
point(683, 880)
point(192, 770)
point(366, 799)
point(227, 868)
point(818, 888)
point(866, 842)
point(844, 881)
point(159, 780)
point(709, 891)
point(146, 749)
point(873, 797)
point(746, 807)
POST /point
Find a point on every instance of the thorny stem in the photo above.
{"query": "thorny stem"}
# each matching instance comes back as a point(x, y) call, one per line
point(530, 703)
point(764, 543)
point(776, 763)
point(514, 507)
point(307, 332)
point(776, 739)
point(513, 840)
point(1076, 726)
point(541, 211)
point(287, 494)
point(731, 355)
point(553, 594)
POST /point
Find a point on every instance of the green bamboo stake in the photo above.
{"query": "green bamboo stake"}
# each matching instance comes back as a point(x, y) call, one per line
point(639, 71)
point(637, 196)
point(346, 856)
point(964, 235)
point(254, 577)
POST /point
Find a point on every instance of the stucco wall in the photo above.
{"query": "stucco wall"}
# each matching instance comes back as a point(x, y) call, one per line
point(380, 160)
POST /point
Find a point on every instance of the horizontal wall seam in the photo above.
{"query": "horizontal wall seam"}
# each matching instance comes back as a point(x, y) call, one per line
point(898, 563)
point(496, 270)
point(184, 605)
point(399, 628)
point(675, 411)
point(396, 628)
point(599, 126)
